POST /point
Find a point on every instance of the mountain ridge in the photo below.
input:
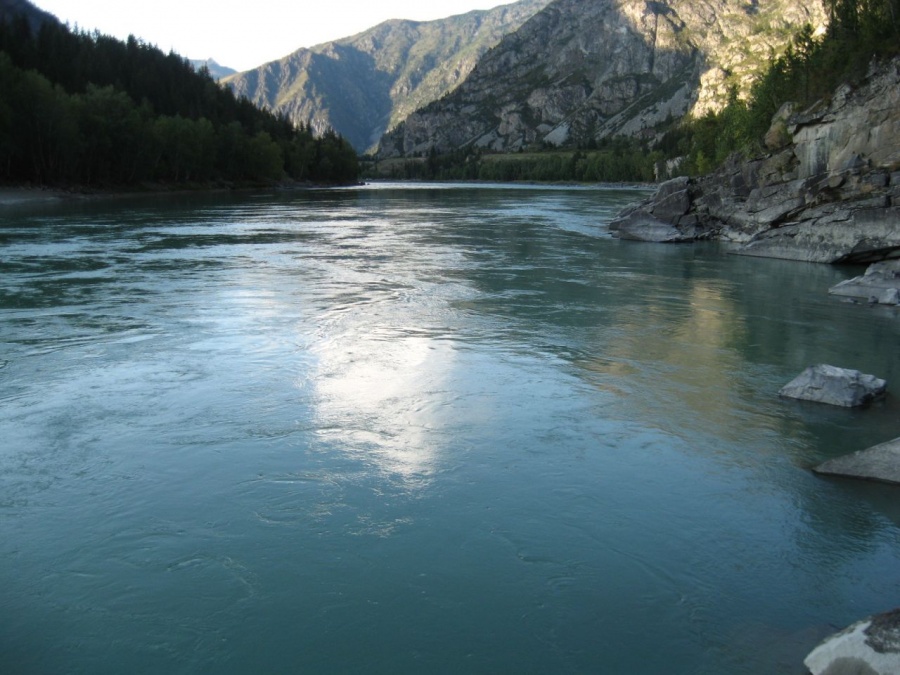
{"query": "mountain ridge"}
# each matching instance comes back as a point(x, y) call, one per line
point(580, 71)
point(33, 14)
point(365, 84)
point(216, 69)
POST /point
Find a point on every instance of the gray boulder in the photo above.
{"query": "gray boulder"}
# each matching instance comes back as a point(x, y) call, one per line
point(662, 219)
point(641, 226)
point(880, 283)
point(870, 647)
point(835, 386)
point(881, 463)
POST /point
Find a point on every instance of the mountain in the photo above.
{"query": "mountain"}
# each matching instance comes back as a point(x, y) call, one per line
point(364, 85)
point(215, 69)
point(583, 70)
point(34, 15)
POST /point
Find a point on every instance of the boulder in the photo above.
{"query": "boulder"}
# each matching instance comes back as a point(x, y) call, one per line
point(881, 463)
point(641, 226)
point(870, 647)
point(835, 386)
point(880, 283)
point(778, 136)
point(662, 218)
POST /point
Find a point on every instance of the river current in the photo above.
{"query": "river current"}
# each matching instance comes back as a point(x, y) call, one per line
point(423, 429)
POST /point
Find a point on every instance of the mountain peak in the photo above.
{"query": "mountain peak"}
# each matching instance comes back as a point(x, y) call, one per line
point(366, 84)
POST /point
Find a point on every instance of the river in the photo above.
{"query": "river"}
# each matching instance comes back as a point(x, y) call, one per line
point(423, 429)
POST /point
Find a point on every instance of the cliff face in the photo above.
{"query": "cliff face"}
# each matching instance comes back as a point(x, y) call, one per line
point(829, 191)
point(589, 69)
point(364, 85)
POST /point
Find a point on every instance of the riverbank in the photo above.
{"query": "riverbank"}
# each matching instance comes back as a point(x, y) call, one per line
point(23, 195)
point(14, 196)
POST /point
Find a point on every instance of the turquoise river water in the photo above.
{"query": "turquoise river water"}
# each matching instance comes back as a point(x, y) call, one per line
point(423, 429)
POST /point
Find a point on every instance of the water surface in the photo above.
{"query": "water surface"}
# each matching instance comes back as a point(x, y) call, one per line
point(422, 429)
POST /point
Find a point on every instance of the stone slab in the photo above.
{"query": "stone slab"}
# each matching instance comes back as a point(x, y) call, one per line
point(880, 463)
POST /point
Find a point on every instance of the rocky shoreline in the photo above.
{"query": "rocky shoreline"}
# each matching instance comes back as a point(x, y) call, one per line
point(827, 191)
point(13, 196)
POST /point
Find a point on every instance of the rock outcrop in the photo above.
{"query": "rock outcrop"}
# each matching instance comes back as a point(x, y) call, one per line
point(580, 71)
point(870, 647)
point(835, 386)
point(880, 463)
point(829, 191)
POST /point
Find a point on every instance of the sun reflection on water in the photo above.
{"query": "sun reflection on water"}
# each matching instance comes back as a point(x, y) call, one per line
point(375, 397)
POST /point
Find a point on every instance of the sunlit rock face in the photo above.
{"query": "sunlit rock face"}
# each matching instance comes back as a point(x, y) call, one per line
point(579, 71)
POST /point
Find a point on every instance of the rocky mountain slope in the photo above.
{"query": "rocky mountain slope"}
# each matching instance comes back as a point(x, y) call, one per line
point(828, 191)
point(362, 86)
point(589, 69)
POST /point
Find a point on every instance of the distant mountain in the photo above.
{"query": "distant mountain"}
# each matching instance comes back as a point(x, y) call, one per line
point(364, 85)
point(34, 15)
point(585, 70)
point(215, 69)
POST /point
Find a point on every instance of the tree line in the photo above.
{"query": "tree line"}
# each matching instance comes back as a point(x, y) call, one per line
point(87, 109)
point(611, 160)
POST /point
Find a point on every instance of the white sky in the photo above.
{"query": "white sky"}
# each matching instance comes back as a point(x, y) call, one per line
point(246, 34)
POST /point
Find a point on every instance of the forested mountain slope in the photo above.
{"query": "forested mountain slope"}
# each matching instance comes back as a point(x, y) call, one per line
point(9, 9)
point(90, 110)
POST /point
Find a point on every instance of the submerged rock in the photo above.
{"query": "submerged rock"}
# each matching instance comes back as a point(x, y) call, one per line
point(880, 462)
point(835, 386)
point(870, 647)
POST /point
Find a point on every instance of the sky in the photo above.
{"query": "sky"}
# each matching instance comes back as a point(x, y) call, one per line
point(246, 34)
